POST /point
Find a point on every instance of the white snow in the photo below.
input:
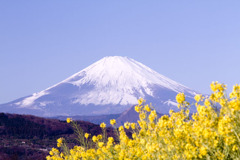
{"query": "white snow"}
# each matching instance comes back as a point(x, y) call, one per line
point(45, 103)
point(117, 79)
point(171, 103)
point(29, 101)
point(114, 80)
point(123, 72)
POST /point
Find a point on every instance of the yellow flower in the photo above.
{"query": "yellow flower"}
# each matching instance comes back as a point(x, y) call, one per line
point(69, 120)
point(213, 86)
point(140, 101)
point(127, 125)
point(59, 142)
point(180, 98)
point(51, 153)
point(103, 125)
point(142, 115)
point(137, 109)
point(142, 141)
point(203, 151)
point(234, 148)
point(99, 136)
point(147, 108)
point(110, 139)
point(100, 144)
point(86, 135)
point(152, 116)
point(207, 102)
point(133, 125)
point(94, 139)
point(112, 121)
point(198, 97)
point(210, 133)
point(134, 135)
point(62, 155)
point(121, 128)
point(131, 143)
point(171, 111)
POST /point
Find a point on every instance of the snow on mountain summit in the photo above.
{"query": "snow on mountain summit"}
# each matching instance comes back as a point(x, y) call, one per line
point(122, 72)
point(108, 86)
point(116, 79)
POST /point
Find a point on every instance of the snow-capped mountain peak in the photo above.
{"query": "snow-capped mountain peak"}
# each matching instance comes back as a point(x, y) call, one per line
point(114, 83)
point(122, 71)
point(120, 77)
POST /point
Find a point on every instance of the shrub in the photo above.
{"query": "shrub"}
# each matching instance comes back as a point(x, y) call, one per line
point(210, 133)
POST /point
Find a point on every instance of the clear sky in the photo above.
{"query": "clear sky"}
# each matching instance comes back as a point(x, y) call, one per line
point(42, 42)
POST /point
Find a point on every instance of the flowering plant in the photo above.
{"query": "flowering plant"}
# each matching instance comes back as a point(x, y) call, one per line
point(210, 133)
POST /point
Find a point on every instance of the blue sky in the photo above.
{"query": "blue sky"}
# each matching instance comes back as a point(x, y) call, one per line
point(43, 42)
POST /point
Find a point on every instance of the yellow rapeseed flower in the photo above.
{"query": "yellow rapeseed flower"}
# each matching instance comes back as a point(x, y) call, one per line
point(51, 153)
point(110, 139)
point(213, 86)
point(210, 133)
point(112, 121)
point(99, 137)
point(147, 108)
point(59, 142)
point(180, 98)
point(127, 125)
point(133, 125)
point(198, 97)
point(103, 125)
point(207, 102)
point(86, 135)
point(69, 120)
point(141, 101)
point(100, 144)
point(94, 139)
point(137, 109)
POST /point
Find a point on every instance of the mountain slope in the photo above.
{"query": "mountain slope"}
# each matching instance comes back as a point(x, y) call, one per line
point(109, 86)
point(26, 137)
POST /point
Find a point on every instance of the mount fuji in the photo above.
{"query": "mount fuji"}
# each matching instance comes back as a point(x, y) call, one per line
point(111, 85)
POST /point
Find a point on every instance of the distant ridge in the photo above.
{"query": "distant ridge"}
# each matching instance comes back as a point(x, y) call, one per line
point(109, 86)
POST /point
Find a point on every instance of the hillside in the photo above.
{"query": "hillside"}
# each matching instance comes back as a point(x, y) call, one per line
point(26, 137)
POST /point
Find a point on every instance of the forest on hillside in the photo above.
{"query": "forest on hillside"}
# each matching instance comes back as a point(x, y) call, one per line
point(26, 137)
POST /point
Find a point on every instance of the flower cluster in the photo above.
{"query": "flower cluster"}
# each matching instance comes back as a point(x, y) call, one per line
point(213, 132)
